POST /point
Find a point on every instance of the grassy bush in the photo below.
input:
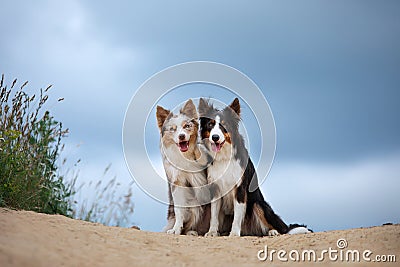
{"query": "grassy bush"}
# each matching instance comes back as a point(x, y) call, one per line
point(30, 142)
point(30, 146)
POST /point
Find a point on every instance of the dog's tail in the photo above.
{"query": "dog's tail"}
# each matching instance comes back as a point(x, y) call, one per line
point(298, 229)
point(275, 222)
point(271, 219)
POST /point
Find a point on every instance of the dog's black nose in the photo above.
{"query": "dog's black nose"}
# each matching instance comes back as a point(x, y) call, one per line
point(181, 137)
point(215, 137)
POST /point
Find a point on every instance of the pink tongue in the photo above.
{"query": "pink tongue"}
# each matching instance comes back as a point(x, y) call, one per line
point(184, 146)
point(216, 147)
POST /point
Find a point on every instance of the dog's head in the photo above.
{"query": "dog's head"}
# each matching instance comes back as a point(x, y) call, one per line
point(178, 130)
point(219, 126)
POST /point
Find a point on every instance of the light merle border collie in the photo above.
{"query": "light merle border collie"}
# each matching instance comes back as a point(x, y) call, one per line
point(235, 209)
point(185, 164)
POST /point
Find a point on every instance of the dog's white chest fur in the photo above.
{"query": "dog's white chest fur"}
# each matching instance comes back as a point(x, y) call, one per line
point(176, 175)
point(226, 172)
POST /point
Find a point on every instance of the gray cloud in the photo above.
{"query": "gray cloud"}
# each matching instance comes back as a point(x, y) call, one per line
point(336, 196)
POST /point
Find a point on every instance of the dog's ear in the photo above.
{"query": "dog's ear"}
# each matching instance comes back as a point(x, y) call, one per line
point(161, 115)
point(189, 109)
point(204, 107)
point(235, 106)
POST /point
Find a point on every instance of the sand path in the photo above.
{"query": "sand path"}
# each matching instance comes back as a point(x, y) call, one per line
point(32, 239)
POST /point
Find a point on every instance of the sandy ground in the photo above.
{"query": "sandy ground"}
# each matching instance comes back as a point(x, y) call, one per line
point(32, 239)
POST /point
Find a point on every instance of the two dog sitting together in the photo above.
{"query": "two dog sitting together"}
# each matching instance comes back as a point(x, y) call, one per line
point(211, 181)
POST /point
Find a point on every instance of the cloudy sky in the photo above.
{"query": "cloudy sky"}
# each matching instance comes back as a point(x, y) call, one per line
point(330, 71)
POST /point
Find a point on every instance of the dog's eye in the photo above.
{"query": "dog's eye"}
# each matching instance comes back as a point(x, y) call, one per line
point(187, 126)
point(210, 124)
point(172, 129)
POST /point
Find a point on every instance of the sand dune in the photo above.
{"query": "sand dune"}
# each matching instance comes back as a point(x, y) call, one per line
point(32, 239)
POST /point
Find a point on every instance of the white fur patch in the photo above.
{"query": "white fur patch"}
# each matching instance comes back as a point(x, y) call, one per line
point(214, 220)
point(226, 172)
point(238, 217)
point(299, 230)
point(216, 130)
point(273, 232)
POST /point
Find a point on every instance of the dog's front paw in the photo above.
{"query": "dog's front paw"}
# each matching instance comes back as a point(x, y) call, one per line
point(273, 232)
point(211, 233)
point(234, 233)
point(174, 231)
point(192, 233)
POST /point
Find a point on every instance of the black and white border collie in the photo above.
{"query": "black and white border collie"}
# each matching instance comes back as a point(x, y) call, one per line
point(235, 209)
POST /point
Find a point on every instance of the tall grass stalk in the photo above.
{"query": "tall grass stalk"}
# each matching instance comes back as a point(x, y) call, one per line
point(30, 143)
point(104, 202)
point(30, 179)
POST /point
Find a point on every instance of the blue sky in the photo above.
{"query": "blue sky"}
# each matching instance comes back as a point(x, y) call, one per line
point(330, 71)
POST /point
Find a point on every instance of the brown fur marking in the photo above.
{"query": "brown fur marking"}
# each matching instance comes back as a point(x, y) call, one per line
point(228, 138)
point(162, 114)
point(235, 106)
point(260, 214)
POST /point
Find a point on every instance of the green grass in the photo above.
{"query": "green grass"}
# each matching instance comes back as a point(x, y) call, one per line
point(30, 179)
point(30, 141)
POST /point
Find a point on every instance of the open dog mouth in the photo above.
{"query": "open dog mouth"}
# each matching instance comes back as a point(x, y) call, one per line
point(183, 146)
point(216, 147)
